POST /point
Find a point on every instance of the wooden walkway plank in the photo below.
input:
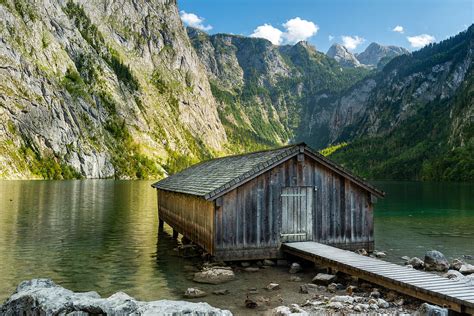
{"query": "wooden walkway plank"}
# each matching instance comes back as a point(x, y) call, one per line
point(454, 294)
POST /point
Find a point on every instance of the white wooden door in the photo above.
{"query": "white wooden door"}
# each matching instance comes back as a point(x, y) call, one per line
point(297, 214)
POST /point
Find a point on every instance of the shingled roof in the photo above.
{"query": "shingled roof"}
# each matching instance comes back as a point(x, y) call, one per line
point(213, 178)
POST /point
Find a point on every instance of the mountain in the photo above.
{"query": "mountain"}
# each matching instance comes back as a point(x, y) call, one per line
point(414, 119)
point(263, 90)
point(101, 89)
point(374, 53)
point(343, 56)
point(119, 88)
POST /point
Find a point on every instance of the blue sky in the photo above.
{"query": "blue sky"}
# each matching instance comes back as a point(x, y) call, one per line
point(361, 22)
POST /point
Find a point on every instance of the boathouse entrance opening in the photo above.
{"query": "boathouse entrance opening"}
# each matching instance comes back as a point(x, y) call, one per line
point(297, 213)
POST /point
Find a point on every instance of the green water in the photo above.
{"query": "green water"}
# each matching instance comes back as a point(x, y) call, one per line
point(102, 234)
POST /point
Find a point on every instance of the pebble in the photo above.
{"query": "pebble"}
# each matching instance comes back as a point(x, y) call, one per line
point(346, 299)
point(194, 293)
point(252, 269)
point(375, 293)
point(295, 278)
point(380, 254)
point(269, 263)
point(221, 292)
point(273, 286)
point(308, 288)
point(382, 303)
point(336, 305)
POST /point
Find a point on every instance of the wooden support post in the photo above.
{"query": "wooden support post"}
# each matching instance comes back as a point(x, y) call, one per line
point(161, 225)
point(175, 234)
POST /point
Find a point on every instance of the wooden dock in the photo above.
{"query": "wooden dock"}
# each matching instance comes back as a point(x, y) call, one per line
point(455, 295)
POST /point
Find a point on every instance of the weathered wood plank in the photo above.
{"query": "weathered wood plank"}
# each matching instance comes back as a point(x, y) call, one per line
point(429, 287)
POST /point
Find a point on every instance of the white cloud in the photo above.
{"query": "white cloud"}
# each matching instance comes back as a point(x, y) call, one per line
point(268, 32)
point(398, 29)
point(351, 42)
point(298, 30)
point(420, 40)
point(191, 19)
point(330, 37)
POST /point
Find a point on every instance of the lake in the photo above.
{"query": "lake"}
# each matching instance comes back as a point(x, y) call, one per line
point(102, 235)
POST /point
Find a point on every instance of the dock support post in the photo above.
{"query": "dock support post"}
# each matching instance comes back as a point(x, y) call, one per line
point(175, 234)
point(161, 224)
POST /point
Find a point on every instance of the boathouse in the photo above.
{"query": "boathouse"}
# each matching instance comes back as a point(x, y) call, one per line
point(245, 206)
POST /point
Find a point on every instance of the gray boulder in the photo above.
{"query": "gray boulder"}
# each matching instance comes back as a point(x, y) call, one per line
point(295, 267)
point(432, 310)
point(44, 297)
point(436, 261)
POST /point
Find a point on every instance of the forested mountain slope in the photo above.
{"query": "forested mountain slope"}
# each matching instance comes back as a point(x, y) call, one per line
point(418, 121)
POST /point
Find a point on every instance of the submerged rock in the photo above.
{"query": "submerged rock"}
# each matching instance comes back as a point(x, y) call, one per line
point(194, 293)
point(214, 275)
point(44, 297)
point(436, 261)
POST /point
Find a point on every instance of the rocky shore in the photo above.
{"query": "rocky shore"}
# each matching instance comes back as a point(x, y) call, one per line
point(266, 287)
point(44, 297)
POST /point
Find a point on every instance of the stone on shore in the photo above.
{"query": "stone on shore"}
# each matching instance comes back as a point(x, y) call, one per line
point(457, 264)
point(416, 263)
point(346, 299)
point(453, 274)
point(214, 276)
point(432, 310)
point(324, 279)
point(252, 269)
point(44, 297)
point(467, 268)
point(310, 288)
point(380, 254)
point(436, 261)
point(269, 263)
point(361, 252)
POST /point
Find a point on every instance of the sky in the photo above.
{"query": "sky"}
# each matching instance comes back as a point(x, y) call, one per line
point(355, 24)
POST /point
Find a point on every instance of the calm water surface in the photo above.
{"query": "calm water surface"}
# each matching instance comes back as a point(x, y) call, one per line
point(102, 235)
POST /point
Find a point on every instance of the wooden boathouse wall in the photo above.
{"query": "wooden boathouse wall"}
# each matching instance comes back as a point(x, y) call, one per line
point(248, 219)
point(190, 215)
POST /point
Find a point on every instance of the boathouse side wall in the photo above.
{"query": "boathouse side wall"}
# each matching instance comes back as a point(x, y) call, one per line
point(190, 215)
point(248, 219)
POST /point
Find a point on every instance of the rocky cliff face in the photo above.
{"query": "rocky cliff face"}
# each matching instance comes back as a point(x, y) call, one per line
point(101, 89)
point(343, 56)
point(374, 53)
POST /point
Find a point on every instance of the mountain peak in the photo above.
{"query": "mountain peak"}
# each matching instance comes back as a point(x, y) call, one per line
point(376, 52)
point(343, 56)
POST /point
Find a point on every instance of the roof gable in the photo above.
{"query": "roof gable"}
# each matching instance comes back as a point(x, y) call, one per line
point(213, 178)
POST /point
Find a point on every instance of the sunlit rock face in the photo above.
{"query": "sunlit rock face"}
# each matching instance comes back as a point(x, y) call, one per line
point(100, 89)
